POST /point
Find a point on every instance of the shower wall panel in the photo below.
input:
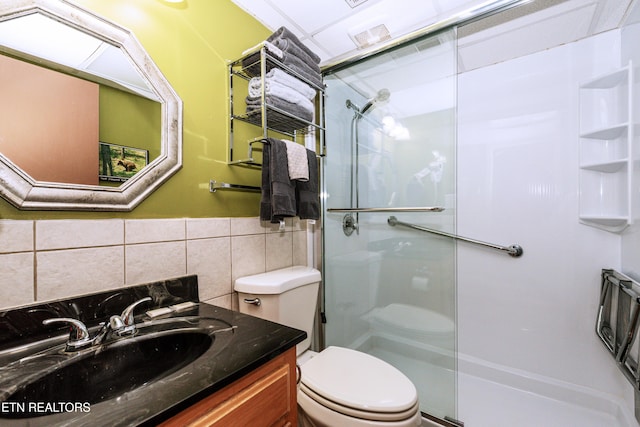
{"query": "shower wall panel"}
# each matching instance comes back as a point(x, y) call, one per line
point(518, 183)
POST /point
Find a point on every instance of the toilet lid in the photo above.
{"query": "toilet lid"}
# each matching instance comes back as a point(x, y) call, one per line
point(357, 380)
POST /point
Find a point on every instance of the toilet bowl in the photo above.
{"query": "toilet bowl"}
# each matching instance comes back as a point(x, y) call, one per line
point(339, 387)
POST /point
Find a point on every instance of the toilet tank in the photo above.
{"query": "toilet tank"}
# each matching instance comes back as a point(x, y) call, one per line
point(288, 296)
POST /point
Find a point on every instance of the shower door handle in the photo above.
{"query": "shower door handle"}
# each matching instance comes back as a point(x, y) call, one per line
point(399, 209)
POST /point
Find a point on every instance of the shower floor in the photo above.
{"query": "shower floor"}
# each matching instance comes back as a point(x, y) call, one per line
point(486, 403)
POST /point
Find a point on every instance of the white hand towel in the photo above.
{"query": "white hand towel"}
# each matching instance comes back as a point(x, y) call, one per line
point(297, 161)
point(281, 91)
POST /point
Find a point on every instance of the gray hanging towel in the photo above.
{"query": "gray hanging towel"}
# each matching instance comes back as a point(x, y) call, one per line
point(307, 196)
point(265, 185)
point(283, 191)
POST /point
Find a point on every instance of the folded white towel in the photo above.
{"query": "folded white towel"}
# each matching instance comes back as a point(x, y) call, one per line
point(297, 161)
point(277, 75)
point(281, 91)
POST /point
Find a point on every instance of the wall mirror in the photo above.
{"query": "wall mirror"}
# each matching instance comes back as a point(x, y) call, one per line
point(119, 101)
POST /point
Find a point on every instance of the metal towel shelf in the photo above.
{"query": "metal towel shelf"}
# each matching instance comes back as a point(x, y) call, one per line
point(513, 250)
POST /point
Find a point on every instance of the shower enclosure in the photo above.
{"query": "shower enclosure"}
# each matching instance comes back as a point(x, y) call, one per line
point(390, 291)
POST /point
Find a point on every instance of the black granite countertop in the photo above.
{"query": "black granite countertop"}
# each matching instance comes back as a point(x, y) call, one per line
point(241, 343)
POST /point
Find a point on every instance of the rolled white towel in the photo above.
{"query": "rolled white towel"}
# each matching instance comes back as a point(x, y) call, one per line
point(277, 75)
point(297, 161)
point(273, 88)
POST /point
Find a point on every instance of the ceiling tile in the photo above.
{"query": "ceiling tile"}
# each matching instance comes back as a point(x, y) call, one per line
point(263, 12)
point(324, 25)
point(524, 36)
point(313, 16)
point(407, 15)
point(609, 15)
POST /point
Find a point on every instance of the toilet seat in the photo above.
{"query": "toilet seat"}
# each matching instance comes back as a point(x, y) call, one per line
point(358, 385)
point(370, 416)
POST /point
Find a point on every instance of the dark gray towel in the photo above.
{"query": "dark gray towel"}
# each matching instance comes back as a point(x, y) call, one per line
point(307, 196)
point(289, 42)
point(308, 74)
point(282, 190)
point(295, 54)
point(265, 193)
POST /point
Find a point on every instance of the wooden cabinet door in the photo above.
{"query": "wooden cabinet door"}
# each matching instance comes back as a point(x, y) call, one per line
point(265, 397)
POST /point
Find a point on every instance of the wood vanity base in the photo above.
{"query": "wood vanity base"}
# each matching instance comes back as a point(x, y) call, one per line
point(263, 398)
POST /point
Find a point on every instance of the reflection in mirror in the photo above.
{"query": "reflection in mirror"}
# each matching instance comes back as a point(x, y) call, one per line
point(87, 121)
point(51, 126)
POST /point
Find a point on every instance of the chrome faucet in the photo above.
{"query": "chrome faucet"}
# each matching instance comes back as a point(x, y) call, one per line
point(80, 338)
point(125, 323)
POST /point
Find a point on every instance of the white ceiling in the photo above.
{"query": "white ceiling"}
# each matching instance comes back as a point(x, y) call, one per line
point(325, 25)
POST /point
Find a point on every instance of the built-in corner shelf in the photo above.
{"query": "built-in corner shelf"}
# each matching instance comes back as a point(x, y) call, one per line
point(606, 155)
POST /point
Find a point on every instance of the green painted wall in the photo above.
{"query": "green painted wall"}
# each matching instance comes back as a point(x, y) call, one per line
point(130, 120)
point(191, 43)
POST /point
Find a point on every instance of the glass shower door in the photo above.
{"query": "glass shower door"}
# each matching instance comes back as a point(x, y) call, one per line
point(390, 135)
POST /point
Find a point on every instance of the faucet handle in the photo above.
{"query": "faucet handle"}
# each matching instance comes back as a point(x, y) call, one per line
point(78, 332)
point(127, 313)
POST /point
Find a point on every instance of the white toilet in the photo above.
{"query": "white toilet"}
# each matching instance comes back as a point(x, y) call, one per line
point(339, 387)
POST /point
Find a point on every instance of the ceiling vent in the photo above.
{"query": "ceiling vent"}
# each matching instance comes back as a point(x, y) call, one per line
point(354, 3)
point(369, 37)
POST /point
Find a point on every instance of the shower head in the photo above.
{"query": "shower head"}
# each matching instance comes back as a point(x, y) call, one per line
point(350, 104)
point(381, 96)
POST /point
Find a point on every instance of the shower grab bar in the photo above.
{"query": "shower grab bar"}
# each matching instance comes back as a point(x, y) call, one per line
point(407, 209)
point(513, 250)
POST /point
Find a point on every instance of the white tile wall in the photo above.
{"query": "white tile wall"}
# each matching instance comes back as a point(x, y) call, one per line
point(78, 271)
point(158, 230)
point(53, 259)
point(211, 259)
point(17, 236)
point(147, 262)
point(16, 278)
point(66, 234)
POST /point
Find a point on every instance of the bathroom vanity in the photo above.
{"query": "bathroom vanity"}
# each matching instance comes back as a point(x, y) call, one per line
point(265, 397)
point(196, 363)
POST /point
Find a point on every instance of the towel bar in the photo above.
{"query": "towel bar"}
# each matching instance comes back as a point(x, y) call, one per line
point(215, 186)
point(513, 250)
point(250, 161)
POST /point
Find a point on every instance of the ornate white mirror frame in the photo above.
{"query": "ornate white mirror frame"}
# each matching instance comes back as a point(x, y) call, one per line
point(24, 192)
